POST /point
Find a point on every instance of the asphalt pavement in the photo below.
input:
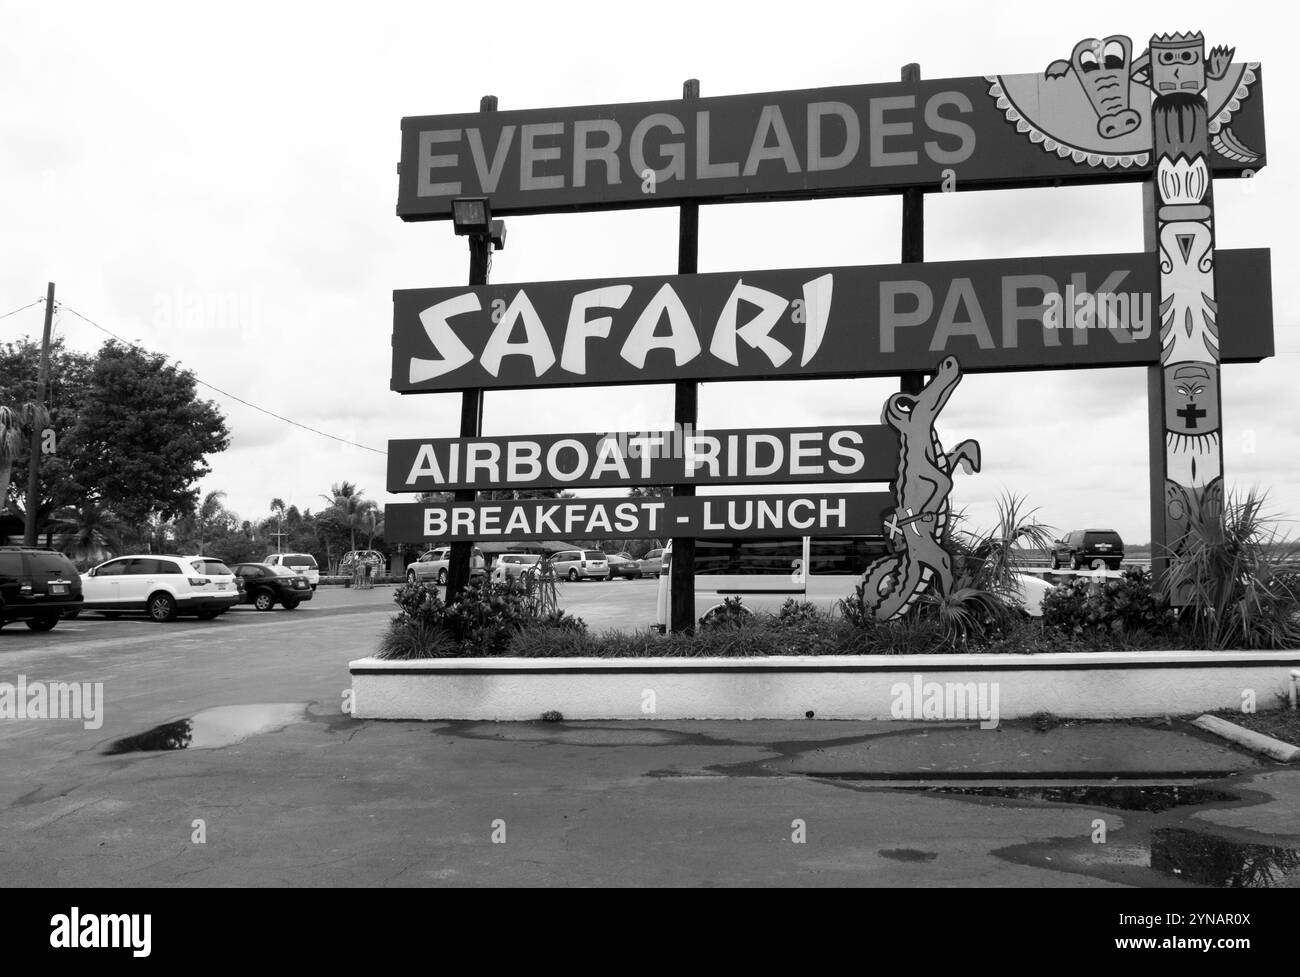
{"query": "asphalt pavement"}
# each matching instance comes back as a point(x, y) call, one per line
point(224, 758)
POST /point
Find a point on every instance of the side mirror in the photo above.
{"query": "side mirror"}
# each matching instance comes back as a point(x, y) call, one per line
point(91, 572)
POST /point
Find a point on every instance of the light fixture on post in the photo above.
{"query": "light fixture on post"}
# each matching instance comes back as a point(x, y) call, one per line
point(471, 215)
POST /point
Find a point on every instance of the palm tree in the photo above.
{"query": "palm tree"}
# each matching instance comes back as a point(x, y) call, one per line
point(349, 506)
point(16, 424)
point(87, 532)
point(198, 527)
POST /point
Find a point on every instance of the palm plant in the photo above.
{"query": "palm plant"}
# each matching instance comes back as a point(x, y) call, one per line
point(16, 426)
point(1236, 579)
point(88, 533)
point(350, 506)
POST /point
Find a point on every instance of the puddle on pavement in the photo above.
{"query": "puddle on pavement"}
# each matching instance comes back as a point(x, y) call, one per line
point(908, 854)
point(1151, 798)
point(1220, 862)
point(212, 729)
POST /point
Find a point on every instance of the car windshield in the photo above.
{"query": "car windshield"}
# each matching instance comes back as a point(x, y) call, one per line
point(1092, 539)
point(593, 555)
point(307, 562)
point(50, 562)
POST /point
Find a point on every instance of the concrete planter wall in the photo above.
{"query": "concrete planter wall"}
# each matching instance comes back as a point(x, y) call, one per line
point(1102, 686)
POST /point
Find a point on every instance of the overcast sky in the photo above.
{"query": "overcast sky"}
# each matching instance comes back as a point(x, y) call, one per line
point(218, 183)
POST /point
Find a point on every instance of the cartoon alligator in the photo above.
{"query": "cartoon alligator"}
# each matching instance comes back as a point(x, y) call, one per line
point(892, 584)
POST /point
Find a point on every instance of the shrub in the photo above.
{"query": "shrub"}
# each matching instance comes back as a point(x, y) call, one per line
point(1087, 605)
point(729, 614)
point(1236, 580)
point(481, 621)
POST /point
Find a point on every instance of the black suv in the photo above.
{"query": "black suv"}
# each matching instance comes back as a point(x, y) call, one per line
point(37, 586)
point(1083, 548)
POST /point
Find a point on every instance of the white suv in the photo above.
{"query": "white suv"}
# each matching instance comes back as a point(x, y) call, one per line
point(432, 565)
point(303, 563)
point(162, 586)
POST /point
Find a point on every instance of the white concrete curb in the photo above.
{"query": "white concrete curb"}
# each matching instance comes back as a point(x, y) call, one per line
point(1099, 686)
point(1251, 740)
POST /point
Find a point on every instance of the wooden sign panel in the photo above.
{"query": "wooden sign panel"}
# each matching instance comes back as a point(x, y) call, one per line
point(1043, 128)
point(994, 315)
point(625, 458)
point(702, 517)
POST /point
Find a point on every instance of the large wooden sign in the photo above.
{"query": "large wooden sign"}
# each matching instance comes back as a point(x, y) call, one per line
point(1088, 122)
point(702, 517)
point(803, 455)
point(1010, 314)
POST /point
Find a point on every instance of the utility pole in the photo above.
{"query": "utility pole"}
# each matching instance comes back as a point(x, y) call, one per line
point(34, 459)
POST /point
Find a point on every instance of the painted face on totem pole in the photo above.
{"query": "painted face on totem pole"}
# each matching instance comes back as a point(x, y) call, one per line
point(1178, 65)
point(1192, 396)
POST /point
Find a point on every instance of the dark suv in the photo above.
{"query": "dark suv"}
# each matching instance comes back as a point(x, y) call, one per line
point(1083, 548)
point(37, 586)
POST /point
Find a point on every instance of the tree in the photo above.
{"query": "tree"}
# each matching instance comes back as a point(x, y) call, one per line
point(88, 533)
point(16, 425)
point(348, 507)
point(142, 436)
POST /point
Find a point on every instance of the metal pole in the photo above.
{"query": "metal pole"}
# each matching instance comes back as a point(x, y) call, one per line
point(34, 459)
point(471, 401)
point(686, 402)
point(913, 236)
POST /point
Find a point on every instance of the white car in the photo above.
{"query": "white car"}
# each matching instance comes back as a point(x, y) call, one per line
point(580, 565)
point(162, 586)
point(303, 563)
point(511, 566)
point(432, 565)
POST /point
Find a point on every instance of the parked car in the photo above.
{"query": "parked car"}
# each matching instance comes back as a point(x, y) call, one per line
point(303, 563)
point(265, 585)
point(432, 565)
point(218, 574)
point(652, 563)
point(623, 565)
point(37, 587)
point(581, 565)
point(162, 586)
point(511, 566)
point(1085, 548)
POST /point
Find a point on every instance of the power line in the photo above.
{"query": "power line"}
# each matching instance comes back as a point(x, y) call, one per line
point(224, 393)
point(20, 308)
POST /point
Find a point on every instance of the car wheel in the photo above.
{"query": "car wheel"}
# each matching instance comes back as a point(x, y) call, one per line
point(1114, 565)
point(162, 607)
point(110, 615)
point(42, 623)
point(1056, 562)
point(573, 575)
point(290, 604)
point(411, 578)
point(1075, 564)
point(264, 600)
point(442, 578)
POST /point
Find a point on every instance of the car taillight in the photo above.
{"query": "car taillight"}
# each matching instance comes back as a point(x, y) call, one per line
point(197, 581)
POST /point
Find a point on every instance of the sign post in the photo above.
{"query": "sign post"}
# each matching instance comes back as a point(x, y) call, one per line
point(913, 236)
point(471, 401)
point(686, 405)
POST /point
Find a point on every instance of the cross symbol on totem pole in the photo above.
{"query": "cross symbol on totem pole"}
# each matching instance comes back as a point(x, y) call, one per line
point(892, 525)
point(1191, 414)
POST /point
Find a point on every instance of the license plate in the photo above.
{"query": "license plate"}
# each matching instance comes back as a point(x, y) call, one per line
point(58, 588)
point(1103, 546)
point(221, 586)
